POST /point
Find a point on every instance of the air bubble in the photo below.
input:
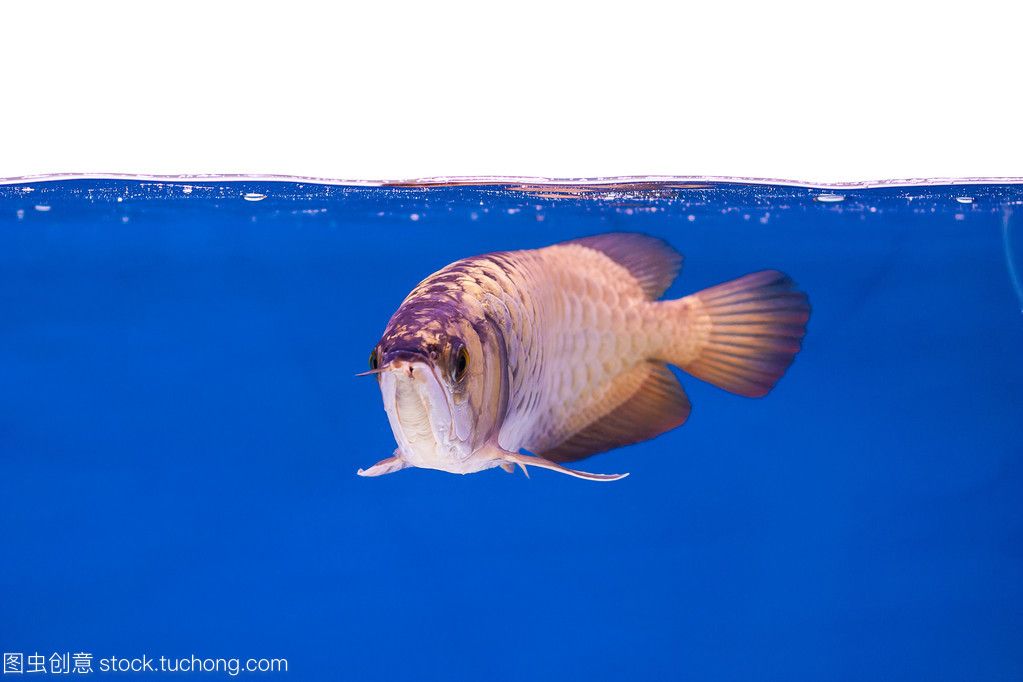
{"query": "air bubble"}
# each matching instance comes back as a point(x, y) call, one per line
point(964, 200)
point(829, 198)
point(254, 196)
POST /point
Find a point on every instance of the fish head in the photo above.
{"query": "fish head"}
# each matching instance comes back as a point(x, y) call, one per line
point(441, 370)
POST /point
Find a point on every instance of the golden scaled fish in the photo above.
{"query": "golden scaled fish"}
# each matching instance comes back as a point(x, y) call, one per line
point(563, 351)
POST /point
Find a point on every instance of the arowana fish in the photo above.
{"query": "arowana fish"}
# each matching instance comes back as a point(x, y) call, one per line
point(563, 351)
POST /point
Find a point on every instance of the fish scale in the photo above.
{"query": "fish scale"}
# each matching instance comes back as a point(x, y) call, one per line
point(584, 325)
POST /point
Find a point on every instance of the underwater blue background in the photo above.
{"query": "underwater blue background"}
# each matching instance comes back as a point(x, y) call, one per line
point(180, 429)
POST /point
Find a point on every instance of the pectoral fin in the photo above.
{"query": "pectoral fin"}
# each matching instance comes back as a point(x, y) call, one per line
point(385, 466)
point(513, 458)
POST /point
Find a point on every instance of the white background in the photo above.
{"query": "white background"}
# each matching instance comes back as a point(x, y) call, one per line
point(799, 90)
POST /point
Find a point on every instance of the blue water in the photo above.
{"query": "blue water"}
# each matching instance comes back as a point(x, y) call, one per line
point(180, 429)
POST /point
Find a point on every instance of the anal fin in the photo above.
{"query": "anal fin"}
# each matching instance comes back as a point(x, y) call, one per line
point(651, 402)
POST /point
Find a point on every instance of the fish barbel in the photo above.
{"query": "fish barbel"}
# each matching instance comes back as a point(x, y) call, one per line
point(563, 351)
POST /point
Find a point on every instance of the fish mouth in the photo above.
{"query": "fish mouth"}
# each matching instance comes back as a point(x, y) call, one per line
point(414, 364)
point(419, 410)
point(396, 360)
point(404, 355)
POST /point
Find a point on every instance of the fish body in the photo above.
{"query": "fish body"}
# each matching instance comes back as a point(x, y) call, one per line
point(563, 351)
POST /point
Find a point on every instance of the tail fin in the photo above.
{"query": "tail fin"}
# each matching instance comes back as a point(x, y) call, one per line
point(741, 335)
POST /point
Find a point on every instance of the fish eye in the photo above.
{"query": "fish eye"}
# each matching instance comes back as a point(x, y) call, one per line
point(461, 364)
point(373, 361)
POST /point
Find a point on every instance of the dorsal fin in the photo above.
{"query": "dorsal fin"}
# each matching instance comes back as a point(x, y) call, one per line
point(656, 405)
point(652, 261)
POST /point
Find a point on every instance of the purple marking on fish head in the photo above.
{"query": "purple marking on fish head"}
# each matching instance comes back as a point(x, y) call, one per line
point(450, 331)
point(424, 327)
